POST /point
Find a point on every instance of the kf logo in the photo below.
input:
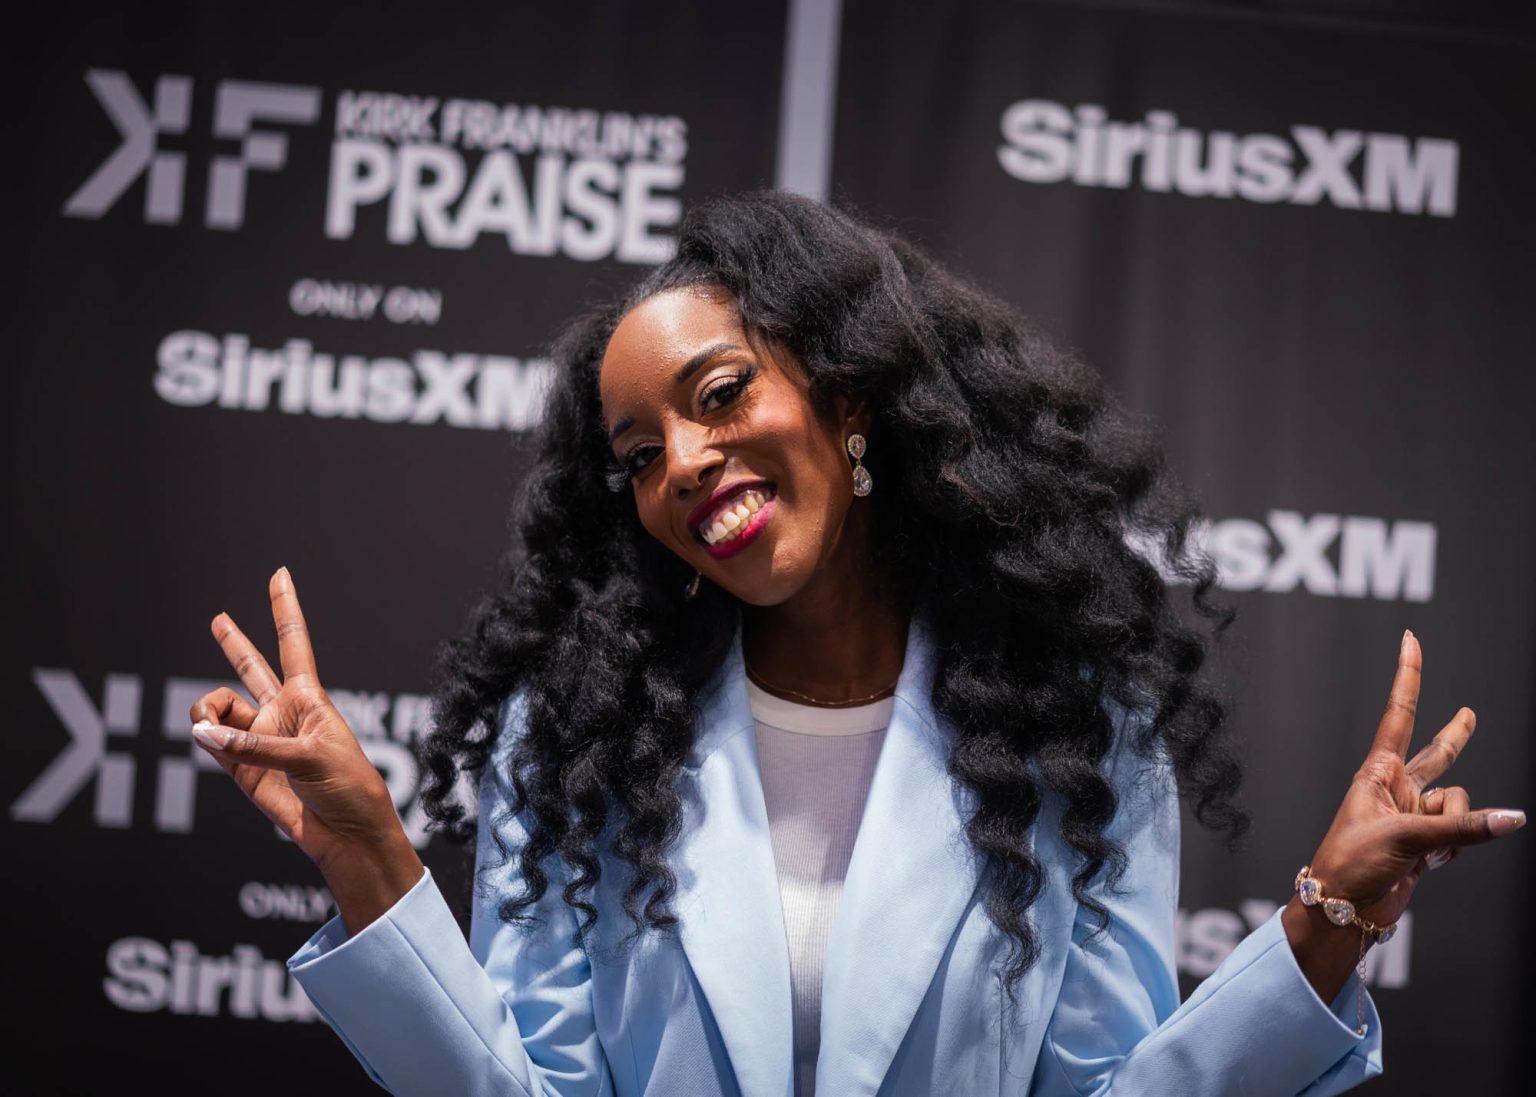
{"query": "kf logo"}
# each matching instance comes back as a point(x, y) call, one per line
point(238, 105)
point(88, 762)
point(87, 759)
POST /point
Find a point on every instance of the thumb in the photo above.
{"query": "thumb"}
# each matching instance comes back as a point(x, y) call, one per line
point(252, 748)
point(1429, 832)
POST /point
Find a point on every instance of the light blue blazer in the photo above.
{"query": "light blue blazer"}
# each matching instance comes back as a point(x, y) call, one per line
point(912, 999)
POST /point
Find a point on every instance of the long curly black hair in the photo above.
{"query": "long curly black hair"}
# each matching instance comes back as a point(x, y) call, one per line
point(1019, 488)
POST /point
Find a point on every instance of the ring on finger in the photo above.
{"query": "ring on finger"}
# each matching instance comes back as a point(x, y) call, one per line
point(1438, 857)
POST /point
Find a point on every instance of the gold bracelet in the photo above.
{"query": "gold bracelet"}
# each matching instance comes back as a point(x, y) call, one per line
point(1341, 912)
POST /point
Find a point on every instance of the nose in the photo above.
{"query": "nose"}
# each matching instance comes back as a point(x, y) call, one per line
point(690, 459)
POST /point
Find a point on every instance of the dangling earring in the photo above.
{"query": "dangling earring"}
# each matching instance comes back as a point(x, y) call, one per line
point(862, 483)
point(693, 585)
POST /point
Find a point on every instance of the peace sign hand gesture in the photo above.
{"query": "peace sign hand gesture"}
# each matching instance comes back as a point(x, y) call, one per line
point(293, 755)
point(1389, 830)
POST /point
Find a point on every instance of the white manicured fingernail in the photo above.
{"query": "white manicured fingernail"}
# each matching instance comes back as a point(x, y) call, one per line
point(1438, 858)
point(210, 736)
point(1502, 822)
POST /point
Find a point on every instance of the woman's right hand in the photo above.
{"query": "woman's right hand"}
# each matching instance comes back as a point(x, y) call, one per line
point(293, 755)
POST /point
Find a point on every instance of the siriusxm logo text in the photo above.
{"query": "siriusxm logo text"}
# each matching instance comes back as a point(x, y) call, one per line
point(1047, 142)
point(146, 976)
point(1204, 938)
point(490, 392)
point(1333, 555)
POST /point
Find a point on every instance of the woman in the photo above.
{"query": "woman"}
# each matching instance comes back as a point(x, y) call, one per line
point(728, 647)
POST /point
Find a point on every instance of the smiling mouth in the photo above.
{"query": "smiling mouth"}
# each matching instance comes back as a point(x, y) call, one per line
point(727, 523)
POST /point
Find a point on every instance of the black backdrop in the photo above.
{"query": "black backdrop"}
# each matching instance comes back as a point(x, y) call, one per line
point(285, 283)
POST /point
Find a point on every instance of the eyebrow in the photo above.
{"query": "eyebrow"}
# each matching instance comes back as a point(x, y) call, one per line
point(685, 371)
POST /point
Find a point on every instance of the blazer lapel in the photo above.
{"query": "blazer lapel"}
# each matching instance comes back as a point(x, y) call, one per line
point(911, 876)
point(731, 922)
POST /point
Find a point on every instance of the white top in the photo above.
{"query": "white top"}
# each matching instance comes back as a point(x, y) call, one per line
point(816, 765)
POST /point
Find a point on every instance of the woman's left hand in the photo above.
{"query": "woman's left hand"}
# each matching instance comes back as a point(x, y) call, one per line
point(1388, 829)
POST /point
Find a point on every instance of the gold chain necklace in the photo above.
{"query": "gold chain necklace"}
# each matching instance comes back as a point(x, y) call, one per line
point(760, 680)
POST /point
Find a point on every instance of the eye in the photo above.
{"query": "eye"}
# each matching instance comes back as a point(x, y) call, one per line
point(727, 390)
point(619, 474)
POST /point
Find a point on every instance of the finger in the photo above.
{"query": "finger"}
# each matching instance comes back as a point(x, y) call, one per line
point(293, 650)
point(201, 732)
point(1441, 752)
point(1423, 834)
point(247, 748)
point(1450, 801)
point(251, 668)
point(1396, 728)
point(223, 706)
point(268, 789)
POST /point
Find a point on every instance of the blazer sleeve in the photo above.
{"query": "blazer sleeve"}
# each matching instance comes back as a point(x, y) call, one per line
point(426, 1012)
point(1254, 1026)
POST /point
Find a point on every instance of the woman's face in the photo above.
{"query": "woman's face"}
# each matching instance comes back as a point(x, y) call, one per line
point(730, 466)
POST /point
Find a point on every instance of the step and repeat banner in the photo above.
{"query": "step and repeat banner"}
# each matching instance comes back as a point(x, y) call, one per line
point(288, 283)
point(1306, 251)
point(286, 287)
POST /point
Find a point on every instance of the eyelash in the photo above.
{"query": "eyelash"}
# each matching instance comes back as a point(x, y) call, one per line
point(619, 475)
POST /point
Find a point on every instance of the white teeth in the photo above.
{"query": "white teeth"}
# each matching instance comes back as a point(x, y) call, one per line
point(729, 522)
